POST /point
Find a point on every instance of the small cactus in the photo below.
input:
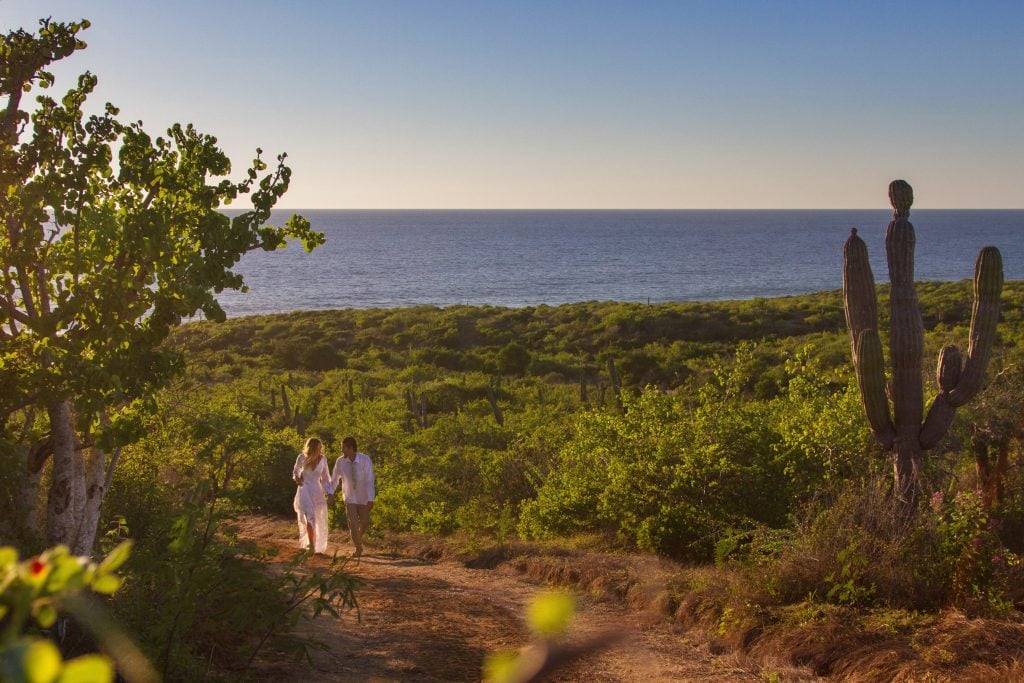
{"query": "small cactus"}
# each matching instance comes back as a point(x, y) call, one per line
point(907, 432)
point(616, 385)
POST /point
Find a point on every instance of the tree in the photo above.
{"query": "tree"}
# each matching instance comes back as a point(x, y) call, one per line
point(101, 258)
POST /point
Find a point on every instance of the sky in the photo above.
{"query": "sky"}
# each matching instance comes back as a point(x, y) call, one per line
point(727, 104)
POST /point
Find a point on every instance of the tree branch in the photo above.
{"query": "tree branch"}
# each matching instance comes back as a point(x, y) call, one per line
point(24, 286)
point(10, 123)
point(39, 453)
point(10, 309)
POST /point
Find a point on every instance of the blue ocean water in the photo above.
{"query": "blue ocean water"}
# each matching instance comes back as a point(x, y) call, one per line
point(521, 258)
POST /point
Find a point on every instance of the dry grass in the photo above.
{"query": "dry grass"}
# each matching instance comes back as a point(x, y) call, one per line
point(724, 610)
point(863, 524)
point(590, 573)
point(863, 645)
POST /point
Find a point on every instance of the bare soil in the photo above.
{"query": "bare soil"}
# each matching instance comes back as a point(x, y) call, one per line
point(436, 620)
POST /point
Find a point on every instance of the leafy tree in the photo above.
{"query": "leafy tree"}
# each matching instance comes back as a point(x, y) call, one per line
point(102, 258)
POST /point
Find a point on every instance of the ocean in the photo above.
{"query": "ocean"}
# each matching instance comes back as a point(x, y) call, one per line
point(519, 258)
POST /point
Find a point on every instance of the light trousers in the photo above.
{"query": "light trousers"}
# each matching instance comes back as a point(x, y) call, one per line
point(358, 523)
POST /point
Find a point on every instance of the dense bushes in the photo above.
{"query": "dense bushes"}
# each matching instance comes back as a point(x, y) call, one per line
point(484, 419)
point(672, 473)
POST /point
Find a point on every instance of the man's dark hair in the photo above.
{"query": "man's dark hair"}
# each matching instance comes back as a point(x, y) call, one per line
point(349, 441)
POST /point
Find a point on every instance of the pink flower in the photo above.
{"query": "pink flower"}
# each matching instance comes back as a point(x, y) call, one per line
point(996, 559)
point(938, 498)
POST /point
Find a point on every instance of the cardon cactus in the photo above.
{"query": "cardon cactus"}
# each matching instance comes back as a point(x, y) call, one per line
point(903, 431)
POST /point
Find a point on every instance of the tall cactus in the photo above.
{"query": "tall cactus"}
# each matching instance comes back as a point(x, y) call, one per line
point(904, 432)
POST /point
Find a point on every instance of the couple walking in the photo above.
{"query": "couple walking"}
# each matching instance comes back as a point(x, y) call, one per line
point(353, 471)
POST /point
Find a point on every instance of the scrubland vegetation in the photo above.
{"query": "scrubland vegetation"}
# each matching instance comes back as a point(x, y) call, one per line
point(728, 436)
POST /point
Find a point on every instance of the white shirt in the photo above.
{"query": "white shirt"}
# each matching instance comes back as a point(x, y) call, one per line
point(355, 478)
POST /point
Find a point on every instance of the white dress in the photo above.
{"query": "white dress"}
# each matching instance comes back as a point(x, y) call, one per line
point(311, 501)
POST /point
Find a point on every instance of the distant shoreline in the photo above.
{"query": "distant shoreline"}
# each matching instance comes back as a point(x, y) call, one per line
point(518, 258)
point(601, 303)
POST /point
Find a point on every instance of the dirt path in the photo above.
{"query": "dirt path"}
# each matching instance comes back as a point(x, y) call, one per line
point(423, 621)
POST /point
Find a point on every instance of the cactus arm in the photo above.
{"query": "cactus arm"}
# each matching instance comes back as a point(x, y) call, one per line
point(988, 286)
point(941, 411)
point(947, 373)
point(859, 295)
point(869, 366)
point(940, 416)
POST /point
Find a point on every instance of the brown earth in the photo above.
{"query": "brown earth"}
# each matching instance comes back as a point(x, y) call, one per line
point(436, 620)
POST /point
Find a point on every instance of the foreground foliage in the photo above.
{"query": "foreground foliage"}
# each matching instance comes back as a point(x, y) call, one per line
point(36, 592)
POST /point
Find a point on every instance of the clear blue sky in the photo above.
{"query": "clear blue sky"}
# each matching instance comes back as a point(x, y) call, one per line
point(580, 104)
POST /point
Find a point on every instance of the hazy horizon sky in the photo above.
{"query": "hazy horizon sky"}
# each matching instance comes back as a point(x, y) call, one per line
point(578, 104)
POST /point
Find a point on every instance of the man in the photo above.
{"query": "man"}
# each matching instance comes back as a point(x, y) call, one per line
point(353, 471)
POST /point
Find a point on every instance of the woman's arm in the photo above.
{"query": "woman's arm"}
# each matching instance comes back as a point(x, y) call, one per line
point(336, 476)
point(297, 470)
point(326, 480)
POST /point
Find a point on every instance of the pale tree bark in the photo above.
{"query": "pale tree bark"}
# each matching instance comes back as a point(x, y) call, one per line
point(79, 483)
point(62, 518)
point(94, 483)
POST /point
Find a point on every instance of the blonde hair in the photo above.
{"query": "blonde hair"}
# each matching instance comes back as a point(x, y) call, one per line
point(314, 452)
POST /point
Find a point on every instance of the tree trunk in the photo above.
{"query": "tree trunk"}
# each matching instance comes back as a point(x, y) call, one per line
point(66, 491)
point(907, 473)
point(95, 490)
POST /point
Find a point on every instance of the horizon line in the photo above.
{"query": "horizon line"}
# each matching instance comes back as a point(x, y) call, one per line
point(711, 208)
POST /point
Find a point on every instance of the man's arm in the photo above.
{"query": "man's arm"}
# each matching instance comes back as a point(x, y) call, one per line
point(371, 484)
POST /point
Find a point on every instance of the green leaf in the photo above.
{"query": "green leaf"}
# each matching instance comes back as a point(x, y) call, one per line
point(500, 667)
point(44, 613)
point(106, 583)
point(551, 613)
point(87, 669)
point(116, 557)
point(8, 556)
point(42, 662)
point(66, 574)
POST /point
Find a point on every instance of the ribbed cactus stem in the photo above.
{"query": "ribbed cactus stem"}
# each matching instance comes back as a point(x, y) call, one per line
point(988, 287)
point(870, 369)
point(901, 196)
point(941, 412)
point(860, 300)
point(947, 373)
point(906, 340)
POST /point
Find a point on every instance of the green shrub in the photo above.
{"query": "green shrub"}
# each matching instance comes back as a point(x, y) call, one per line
point(422, 505)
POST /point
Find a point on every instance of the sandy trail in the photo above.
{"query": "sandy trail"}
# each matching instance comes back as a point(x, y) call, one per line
point(424, 621)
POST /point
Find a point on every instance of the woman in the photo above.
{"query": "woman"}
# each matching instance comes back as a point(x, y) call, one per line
point(310, 473)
